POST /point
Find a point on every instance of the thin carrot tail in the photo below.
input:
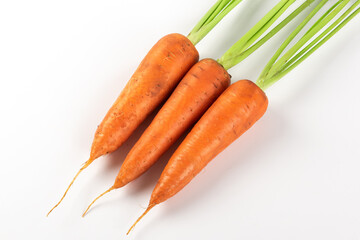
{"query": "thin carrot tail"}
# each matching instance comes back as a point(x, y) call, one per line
point(87, 209)
point(146, 211)
point(85, 165)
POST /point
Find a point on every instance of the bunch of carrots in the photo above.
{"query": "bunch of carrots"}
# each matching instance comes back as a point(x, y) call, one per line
point(201, 93)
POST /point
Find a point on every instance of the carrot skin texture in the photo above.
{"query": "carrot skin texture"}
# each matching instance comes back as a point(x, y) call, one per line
point(157, 75)
point(233, 113)
point(199, 88)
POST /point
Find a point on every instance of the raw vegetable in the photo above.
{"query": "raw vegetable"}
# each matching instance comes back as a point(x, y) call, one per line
point(242, 104)
point(155, 78)
point(204, 82)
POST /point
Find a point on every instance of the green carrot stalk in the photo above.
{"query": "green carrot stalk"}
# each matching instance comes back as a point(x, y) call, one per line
point(215, 14)
point(278, 66)
point(315, 29)
point(330, 31)
point(250, 43)
point(234, 55)
point(289, 39)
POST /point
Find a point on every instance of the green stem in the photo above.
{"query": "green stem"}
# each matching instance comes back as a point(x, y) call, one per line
point(317, 27)
point(316, 45)
point(268, 24)
point(227, 59)
point(284, 45)
point(221, 6)
point(321, 36)
point(243, 55)
point(206, 16)
point(216, 13)
point(317, 42)
point(323, 16)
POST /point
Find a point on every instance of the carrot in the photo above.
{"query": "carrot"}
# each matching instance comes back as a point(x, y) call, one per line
point(200, 87)
point(234, 112)
point(157, 75)
point(194, 94)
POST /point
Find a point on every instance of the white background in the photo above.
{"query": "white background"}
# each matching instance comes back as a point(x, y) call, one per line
point(294, 175)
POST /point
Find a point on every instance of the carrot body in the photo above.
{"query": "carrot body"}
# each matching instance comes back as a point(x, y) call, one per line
point(157, 75)
point(200, 87)
point(234, 112)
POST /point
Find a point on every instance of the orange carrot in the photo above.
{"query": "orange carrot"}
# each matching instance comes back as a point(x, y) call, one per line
point(200, 87)
point(245, 102)
point(175, 116)
point(234, 112)
point(157, 75)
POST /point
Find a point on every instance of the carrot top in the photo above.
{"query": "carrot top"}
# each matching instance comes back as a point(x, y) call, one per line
point(278, 66)
point(246, 45)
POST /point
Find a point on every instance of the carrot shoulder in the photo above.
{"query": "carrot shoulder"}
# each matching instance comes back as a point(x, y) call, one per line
point(234, 112)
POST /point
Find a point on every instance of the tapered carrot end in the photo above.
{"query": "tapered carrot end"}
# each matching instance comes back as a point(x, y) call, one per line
point(85, 165)
point(146, 211)
point(87, 209)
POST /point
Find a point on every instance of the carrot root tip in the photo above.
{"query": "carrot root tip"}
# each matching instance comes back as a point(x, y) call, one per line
point(87, 209)
point(85, 165)
point(142, 215)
